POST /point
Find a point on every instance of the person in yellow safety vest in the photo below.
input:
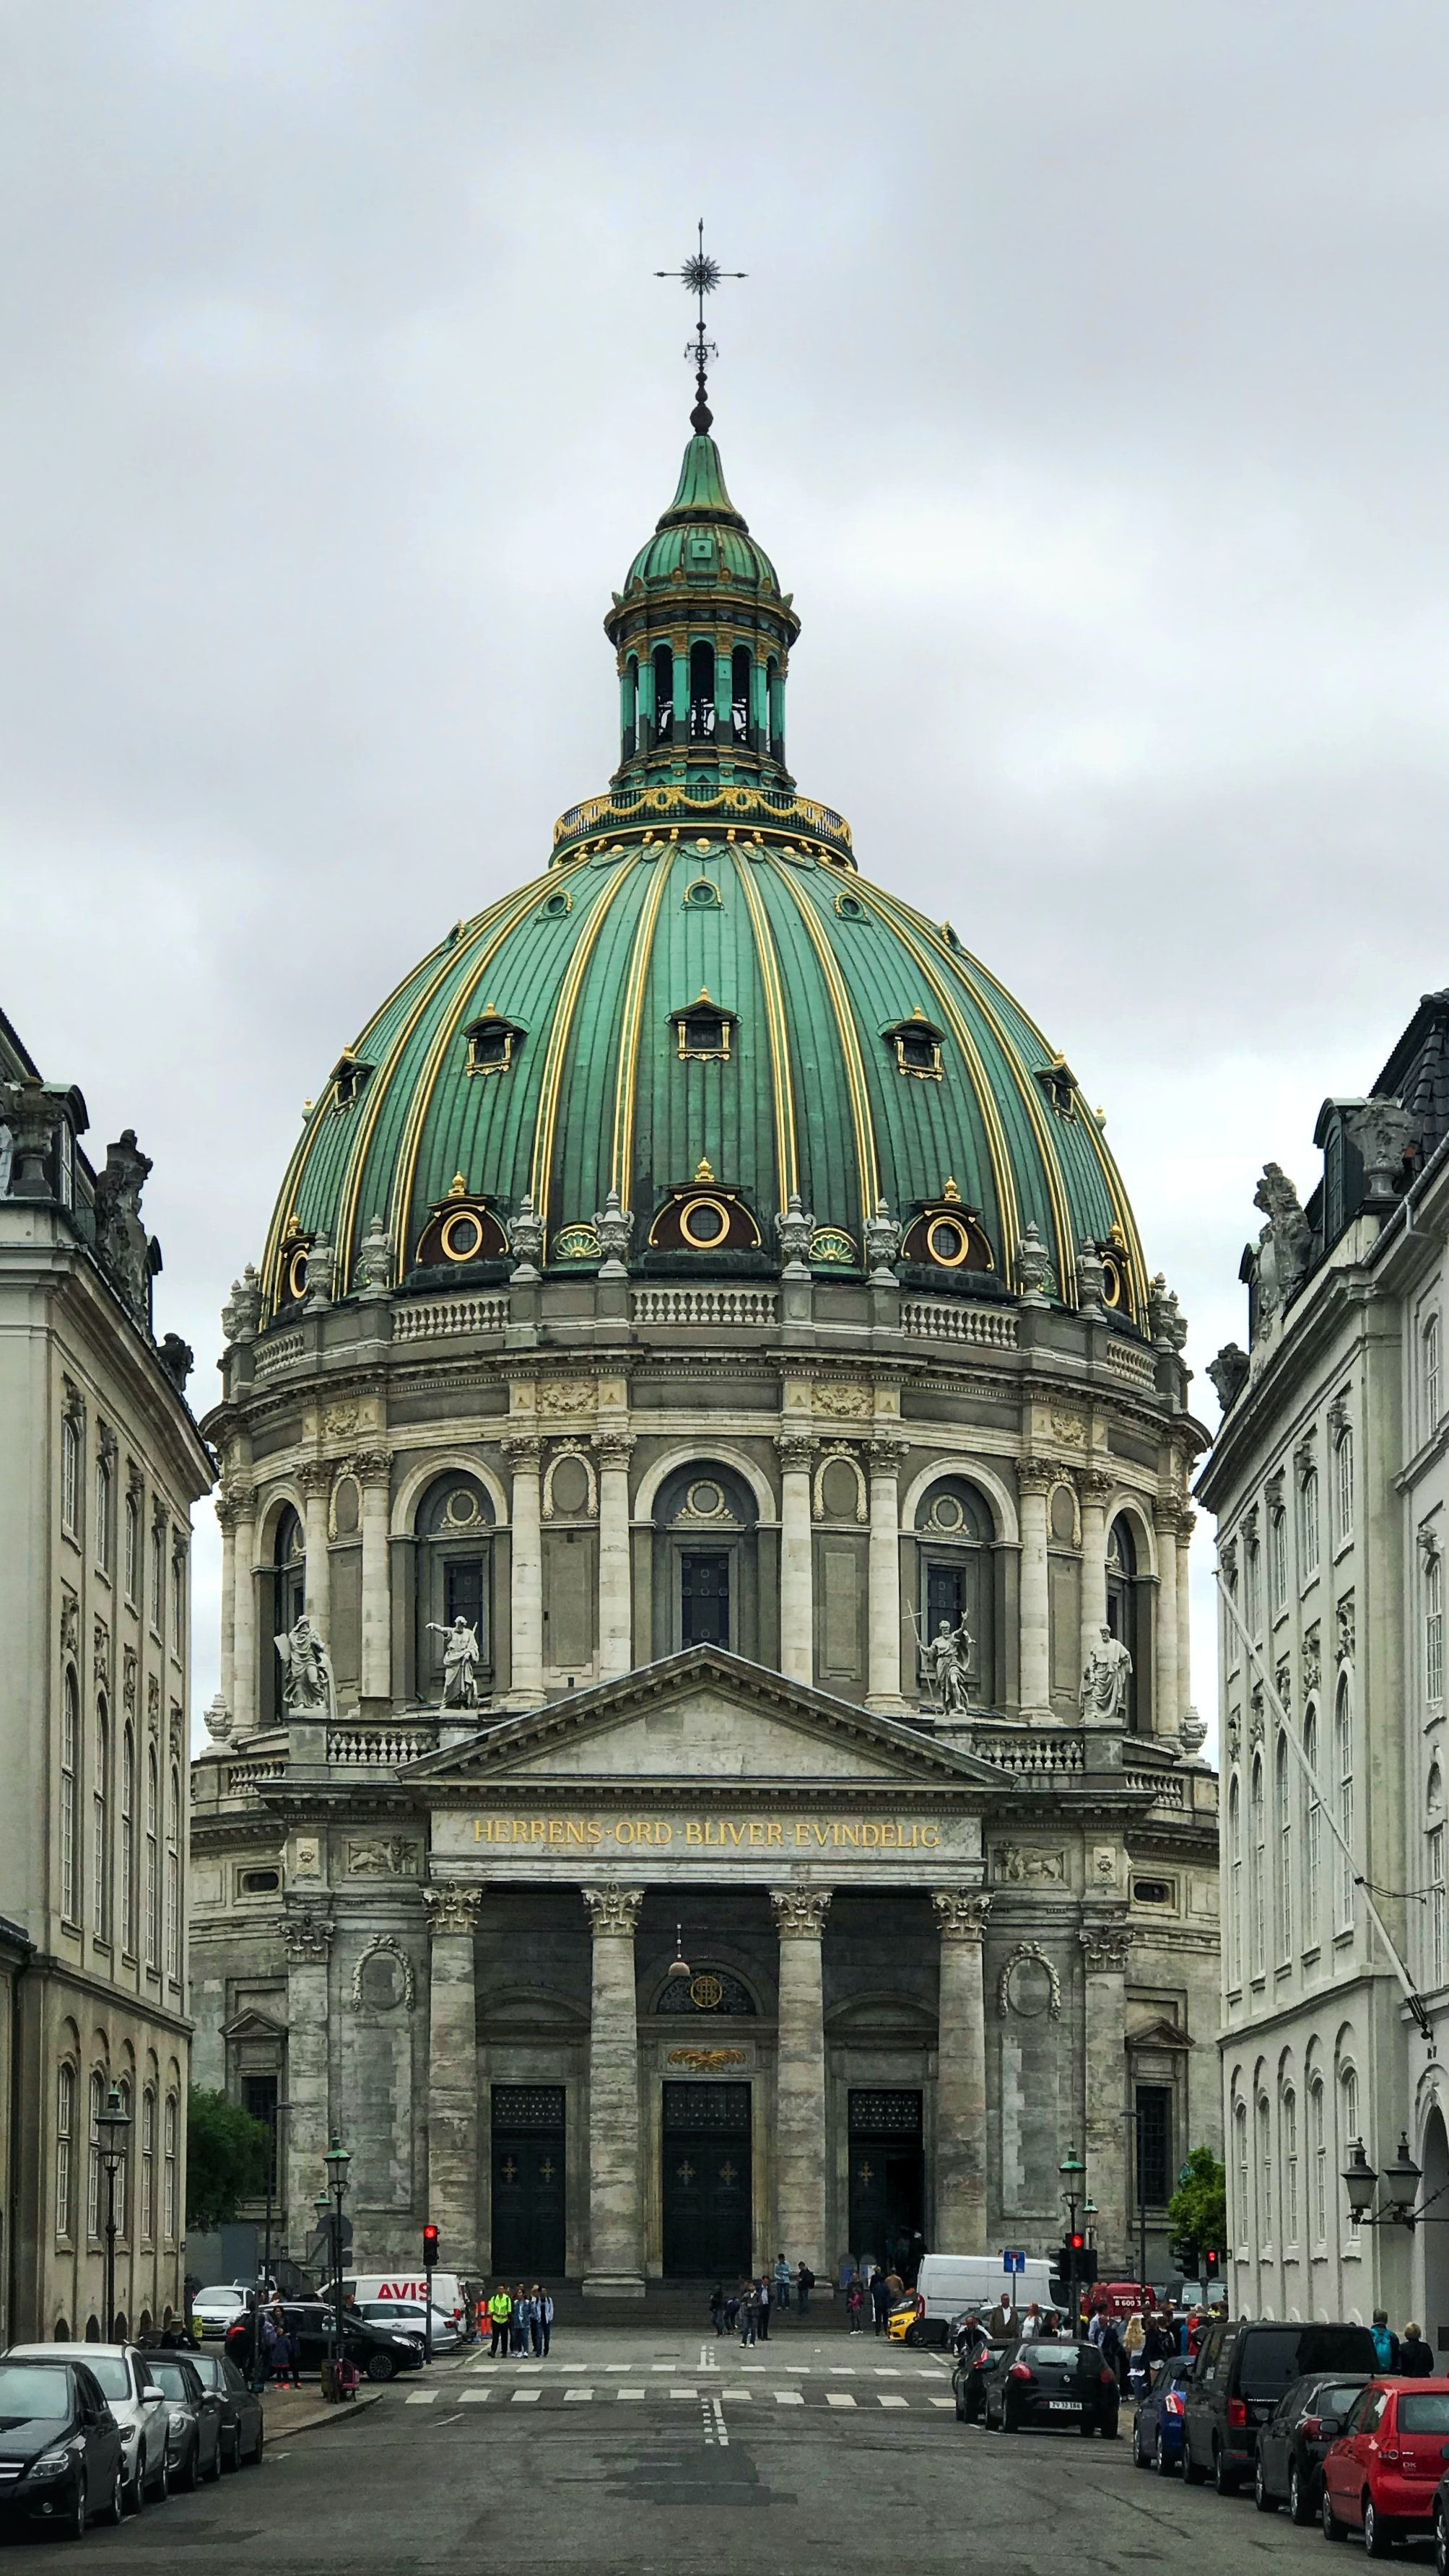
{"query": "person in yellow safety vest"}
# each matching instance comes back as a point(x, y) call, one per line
point(500, 2309)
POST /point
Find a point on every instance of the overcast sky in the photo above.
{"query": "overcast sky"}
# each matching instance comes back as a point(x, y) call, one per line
point(1089, 388)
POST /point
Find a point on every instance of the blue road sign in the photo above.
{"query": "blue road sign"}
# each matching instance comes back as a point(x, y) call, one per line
point(1013, 2258)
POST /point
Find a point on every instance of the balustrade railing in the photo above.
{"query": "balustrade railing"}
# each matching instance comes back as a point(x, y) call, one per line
point(379, 1747)
point(275, 1350)
point(1126, 1361)
point(705, 1306)
point(991, 1328)
point(433, 1318)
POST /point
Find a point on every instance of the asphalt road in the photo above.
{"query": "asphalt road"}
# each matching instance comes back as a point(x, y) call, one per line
point(668, 2455)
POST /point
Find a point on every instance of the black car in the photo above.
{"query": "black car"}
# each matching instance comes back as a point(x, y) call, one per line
point(1243, 2369)
point(193, 2419)
point(1291, 2445)
point(1053, 2387)
point(973, 2366)
point(60, 2447)
point(375, 2352)
point(239, 2411)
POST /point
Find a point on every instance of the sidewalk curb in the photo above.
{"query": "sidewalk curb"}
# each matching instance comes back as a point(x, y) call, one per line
point(328, 2415)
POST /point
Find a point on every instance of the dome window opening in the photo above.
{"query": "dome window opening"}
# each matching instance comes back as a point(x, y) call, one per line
point(705, 1216)
point(703, 895)
point(917, 1044)
point(955, 1537)
point(740, 670)
point(850, 908)
point(491, 1042)
point(1127, 1616)
point(948, 1235)
point(701, 693)
point(774, 710)
point(461, 1228)
point(704, 1224)
point(663, 693)
point(1060, 1085)
point(348, 1075)
point(629, 724)
point(704, 1034)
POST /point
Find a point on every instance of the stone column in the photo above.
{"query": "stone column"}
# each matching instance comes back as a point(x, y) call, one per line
point(616, 1644)
point(374, 1468)
point(883, 1665)
point(244, 1634)
point(1034, 1478)
point(1104, 2058)
point(1186, 1524)
point(800, 2077)
point(316, 1484)
point(307, 1927)
point(616, 2193)
point(797, 1589)
point(961, 2075)
point(452, 1918)
point(1093, 1486)
point(228, 1513)
point(524, 1454)
point(1166, 1707)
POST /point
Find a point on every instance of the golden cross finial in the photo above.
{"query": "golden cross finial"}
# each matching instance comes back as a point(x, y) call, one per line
point(700, 275)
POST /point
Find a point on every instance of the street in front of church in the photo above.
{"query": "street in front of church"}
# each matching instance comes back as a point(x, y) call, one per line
point(640, 2450)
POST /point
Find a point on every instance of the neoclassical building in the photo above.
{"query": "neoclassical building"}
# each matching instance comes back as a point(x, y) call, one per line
point(701, 1281)
point(1330, 1481)
point(100, 1464)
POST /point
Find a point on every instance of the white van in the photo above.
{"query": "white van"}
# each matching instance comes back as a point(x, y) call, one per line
point(444, 2288)
point(950, 2282)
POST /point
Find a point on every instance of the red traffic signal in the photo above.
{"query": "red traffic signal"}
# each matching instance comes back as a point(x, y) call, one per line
point(1076, 2243)
point(430, 2248)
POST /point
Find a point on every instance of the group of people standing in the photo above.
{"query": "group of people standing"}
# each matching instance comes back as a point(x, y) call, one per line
point(518, 2321)
point(870, 2292)
point(748, 2307)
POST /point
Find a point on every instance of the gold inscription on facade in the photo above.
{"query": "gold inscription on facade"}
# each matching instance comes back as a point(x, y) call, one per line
point(712, 1833)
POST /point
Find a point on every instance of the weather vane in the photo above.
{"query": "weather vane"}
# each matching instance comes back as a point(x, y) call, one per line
point(700, 276)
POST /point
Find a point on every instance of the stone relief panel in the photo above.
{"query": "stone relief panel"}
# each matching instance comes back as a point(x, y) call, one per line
point(382, 1856)
point(1028, 1865)
point(383, 1979)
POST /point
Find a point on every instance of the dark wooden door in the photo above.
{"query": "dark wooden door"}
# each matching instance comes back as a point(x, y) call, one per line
point(708, 2232)
point(529, 2200)
point(887, 2179)
point(704, 1597)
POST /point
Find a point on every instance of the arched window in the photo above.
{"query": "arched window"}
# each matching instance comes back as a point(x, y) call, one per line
point(1243, 2219)
point(1318, 2152)
point(104, 1483)
point(1434, 1954)
point(178, 1600)
point(148, 2164)
point(1343, 1765)
point(454, 1579)
point(1309, 1520)
point(173, 1877)
point(774, 711)
point(168, 2160)
point(1349, 2131)
point(706, 1561)
point(701, 692)
point(663, 693)
point(1312, 1833)
point(955, 1537)
point(630, 723)
point(64, 2140)
point(740, 693)
point(1289, 2120)
point(1252, 1584)
point(133, 1546)
point(1267, 2173)
point(97, 2095)
point(1278, 1555)
point(1429, 1353)
point(128, 1839)
point(70, 1474)
point(122, 2186)
point(1235, 1885)
point(158, 1571)
point(1125, 1615)
point(1283, 1882)
point(289, 1572)
point(1343, 1484)
point(1258, 1839)
point(152, 1894)
point(100, 1826)
point(1433, 1623)
point(69, 1795)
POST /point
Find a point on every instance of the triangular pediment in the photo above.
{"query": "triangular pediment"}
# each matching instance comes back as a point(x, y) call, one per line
point(252, 2024)
point(705, 1715)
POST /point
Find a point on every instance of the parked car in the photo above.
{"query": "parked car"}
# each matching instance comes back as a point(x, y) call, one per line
point(61, 2454)
point(194, 2429)
point(239, 2410)
point(214, 2311)
point(973, 2368)
point(1291, 2445)
point(445, 2289)
point(1157, 2424)
point(1382, 2476)
point(138, 2405)
point(1242, 2370)
point(1054, 2387)
point(402, 2316)
point(377, 2352)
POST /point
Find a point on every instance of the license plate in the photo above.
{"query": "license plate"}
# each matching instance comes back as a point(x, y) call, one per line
point(1063, 2406)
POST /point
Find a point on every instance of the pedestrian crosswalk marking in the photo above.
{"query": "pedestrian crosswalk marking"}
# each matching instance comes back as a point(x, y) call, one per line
point(838, 2397)
point(575, 2365)
point(888, 2370)
point(684, 2392)
point(527, 2396)
point(640, 2393)
point(943, 2401)
point(474, 2396)
point(741, 2396)
point(577, 2396)
point(892, 2401)
point(788, 2397)
point(422, 2397)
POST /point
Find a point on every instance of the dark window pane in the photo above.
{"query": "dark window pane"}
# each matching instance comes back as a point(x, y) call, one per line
point(704, 1582)
point(1154, 2143)
point(463, 1591)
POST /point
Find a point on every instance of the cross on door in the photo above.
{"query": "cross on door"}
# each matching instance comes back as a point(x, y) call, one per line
point(866, 2172)
point(510, 2170)
point(727, 2172)
point(548, 2169)
point(685, 2172)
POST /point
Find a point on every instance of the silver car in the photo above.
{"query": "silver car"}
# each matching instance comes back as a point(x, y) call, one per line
point(141, 2409)
point(216, 2310)
point(409, 2317)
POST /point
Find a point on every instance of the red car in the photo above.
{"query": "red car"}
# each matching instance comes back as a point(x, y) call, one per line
point(1381, 2475)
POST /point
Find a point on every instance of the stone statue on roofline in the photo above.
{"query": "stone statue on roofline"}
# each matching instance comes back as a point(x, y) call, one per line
point(1285, 1245)
point(1105, 1678)
point(461, 1659)
point(308, 1687)
point(947, 1660)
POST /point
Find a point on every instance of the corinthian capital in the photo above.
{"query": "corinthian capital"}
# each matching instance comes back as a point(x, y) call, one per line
point(308, 1931)
point(451, 1910)
point(960, 1913)
point(1104, 1949)
point(796, 1452)
point(373, 1466)
point(613, 1910)
point(1037, 1475)
point(800, 1912)
point(316, 1476)
point(613, 1448)
point(524, 1452)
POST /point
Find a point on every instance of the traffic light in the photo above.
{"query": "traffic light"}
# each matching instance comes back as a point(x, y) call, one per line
point(430, 2248)
point(1077, 2243)
point(1210, 2263)
point(1183, 2252)
point(1086, 2263)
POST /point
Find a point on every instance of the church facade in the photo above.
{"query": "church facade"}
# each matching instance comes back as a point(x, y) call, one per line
point(703, 1761)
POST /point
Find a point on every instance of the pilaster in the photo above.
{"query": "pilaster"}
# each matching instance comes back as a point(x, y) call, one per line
point(616, 2199)
point(961, 2073)
point(800, 2076)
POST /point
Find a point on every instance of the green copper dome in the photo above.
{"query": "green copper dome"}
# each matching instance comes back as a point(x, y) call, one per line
point(704, 1014)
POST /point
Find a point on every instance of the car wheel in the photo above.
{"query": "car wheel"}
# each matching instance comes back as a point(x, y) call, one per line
point(1160, 2461)
point(231, 2450)
point(1192, 2474)
point(214, 2472)
point(1332, 2527)
point(381, 2366)
point(1109, 2430)
point(1139, 2456)
point(1261, 2498)
point(135, 2493)
point(1377, 2532)
point(74, 2525)
point(961, 2415)
point(189, 2478)
point(257, 2450)
point(1225, 2477)
point(115, 2511)
point(160, 2486)
point(1441, 2541)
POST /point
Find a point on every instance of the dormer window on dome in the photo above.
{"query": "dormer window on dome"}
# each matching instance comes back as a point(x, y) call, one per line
point(491, 1042)
point(949, 1235)
point(705, 1216)
point(461, 1228)
point(1060, 1085)
point(347, 1077)
point(917, 1043)
point(704, 1033)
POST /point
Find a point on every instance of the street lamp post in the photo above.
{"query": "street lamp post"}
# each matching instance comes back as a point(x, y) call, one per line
point(264, 2285)
point(1073, 2173)
point(112, 2126)
point(337, 2161)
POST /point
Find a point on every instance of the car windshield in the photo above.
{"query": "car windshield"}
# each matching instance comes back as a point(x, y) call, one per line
point(25, 2393)
point(1274, 2355)
point(1424, 2414)
point(210, 2369)
point(1059, 2352)
point(169, 2374)
point(226, 2298)
point(1336, 2401)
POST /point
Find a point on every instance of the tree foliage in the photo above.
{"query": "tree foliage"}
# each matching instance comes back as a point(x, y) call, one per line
point(227, 2154)
point(1198, 2208)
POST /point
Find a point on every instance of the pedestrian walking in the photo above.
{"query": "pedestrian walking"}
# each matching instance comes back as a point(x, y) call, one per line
point(855, 2304)
point(1134, 2349)
point(748, 2313)
point(1416, 2361)
point(849, 2271)
point(717, 2307)
point(1386, 2342)
point(782, 2284)
point(804, 2284)
point(500, 2309)
point(518, 2322)
point(762, 2308)
point(880, 2299)
point(542, 2322)
point(732, 2311)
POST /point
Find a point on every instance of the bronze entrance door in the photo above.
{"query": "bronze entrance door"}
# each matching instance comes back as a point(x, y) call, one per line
point(528, 2181)
point(887, 2180)
point(706, 2171)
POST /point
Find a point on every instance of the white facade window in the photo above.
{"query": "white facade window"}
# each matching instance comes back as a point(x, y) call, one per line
point(1290, 2167)
point(1258, 1839)
point(1266, 2173)
point(173, 1879)
point(1252, 1587)
point(101, 1828)
point(158, 1574)
point(1349, 2129)
point(1312, 1833)
point(1278, 1556)
point(1235, 1885)
point(1343, 1760)
point(1283, 1883)
point(122, 2184)
point(168, 2212)
point(1434, 1626)
point(70, 1474)
point(1429, 1353)
point(103, 1511)
point(1434, 1923)
point(1309, 1522)
point(128, 1840)
point(64, 2142)
point(93, 2158)
point(69, 1792)
point(1343, 1485)
point(1318, 2150)
point(1243, 2223)
point(152, 1895)
point(133, 1547)
point(178, 1600)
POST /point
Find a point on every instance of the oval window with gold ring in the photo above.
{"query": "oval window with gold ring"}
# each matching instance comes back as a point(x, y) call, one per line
point(462, 1235)
point(947, 1242)
point(297, 1275)
point(704, 1223)
point(1113, 1290)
